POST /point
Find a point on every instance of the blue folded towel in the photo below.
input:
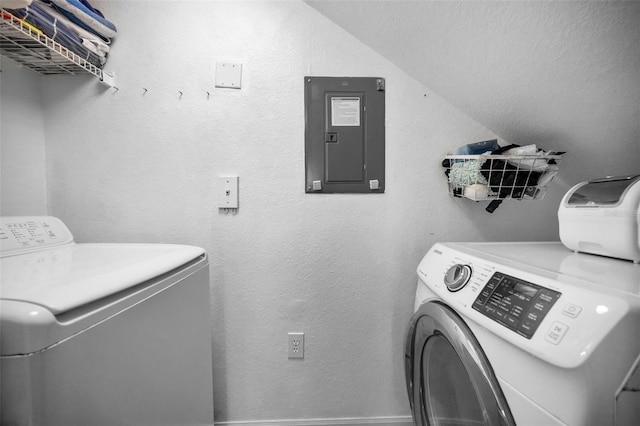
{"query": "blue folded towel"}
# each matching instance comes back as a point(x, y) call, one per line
point(83, 14)
point(37, 15)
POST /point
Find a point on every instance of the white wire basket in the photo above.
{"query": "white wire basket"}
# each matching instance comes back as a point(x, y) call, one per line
point(489, 177)
point(26, 45)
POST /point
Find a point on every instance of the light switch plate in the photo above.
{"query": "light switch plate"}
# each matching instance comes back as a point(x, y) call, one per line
point(229, 75)
point(228, 192)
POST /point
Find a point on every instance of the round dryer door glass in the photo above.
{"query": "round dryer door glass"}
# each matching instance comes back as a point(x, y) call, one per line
point(449, 378)
point(449, 394)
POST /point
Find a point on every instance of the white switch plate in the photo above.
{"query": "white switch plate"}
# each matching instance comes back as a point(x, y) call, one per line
point(229, 75)
point(228, 192)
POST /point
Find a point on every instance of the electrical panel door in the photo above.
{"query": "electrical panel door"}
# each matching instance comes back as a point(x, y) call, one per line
point(344, 134)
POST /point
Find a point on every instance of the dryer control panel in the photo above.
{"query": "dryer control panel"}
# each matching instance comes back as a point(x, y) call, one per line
point(515, 303)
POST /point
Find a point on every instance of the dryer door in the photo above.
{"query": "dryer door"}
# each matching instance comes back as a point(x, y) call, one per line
point(449, 379)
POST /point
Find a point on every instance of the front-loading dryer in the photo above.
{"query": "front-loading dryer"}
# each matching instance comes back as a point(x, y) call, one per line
point(526, 334)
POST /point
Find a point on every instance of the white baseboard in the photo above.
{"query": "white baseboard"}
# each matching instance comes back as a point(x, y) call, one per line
point(352, 421)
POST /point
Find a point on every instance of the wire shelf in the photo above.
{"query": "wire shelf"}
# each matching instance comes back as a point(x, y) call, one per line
point(28, 46)
point(488, 177)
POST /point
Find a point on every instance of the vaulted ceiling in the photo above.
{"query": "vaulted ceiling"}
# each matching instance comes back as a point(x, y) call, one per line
point(564, 75)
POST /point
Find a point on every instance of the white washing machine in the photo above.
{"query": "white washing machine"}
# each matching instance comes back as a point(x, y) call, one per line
point(101, 334)
point(524, 333)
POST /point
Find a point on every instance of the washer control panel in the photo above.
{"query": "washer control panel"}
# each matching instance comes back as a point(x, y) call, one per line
point(532, 295)
point(21, 234)
point(515, 303)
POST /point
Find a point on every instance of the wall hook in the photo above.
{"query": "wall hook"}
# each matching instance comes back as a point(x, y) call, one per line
point(145, 91)
point(115, 88)
point(180, 93)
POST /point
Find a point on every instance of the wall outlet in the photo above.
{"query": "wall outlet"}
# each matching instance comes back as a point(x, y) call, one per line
point(296, 345)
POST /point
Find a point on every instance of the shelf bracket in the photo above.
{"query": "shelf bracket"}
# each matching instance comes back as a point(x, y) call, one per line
point(108, 78)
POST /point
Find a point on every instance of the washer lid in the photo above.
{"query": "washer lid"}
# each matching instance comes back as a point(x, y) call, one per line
point(67, 277)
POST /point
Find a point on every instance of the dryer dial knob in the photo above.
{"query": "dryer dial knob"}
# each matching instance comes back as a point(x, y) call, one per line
point(457, 277)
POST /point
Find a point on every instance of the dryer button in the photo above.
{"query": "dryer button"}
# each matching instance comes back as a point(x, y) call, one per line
point(572, 310)
point(556, 332)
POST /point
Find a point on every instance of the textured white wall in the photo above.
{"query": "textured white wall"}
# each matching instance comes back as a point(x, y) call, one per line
point(130, 166)
point(22, 142)
point(562, 74)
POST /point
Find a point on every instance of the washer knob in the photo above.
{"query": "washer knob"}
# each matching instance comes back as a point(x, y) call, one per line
point(457, 277)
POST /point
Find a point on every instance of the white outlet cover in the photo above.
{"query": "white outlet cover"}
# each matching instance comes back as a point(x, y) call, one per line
point(229, 75)
point(296, 345)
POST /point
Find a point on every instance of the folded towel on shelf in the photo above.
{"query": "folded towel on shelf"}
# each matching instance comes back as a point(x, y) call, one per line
point(90, 40)
point(37, 14)
point(84, 15)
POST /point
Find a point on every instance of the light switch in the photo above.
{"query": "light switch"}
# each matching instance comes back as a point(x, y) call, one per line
point(228, 192)
point(228, 75)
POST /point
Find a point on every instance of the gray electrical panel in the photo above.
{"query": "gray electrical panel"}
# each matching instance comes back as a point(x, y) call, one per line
point(344, 134)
